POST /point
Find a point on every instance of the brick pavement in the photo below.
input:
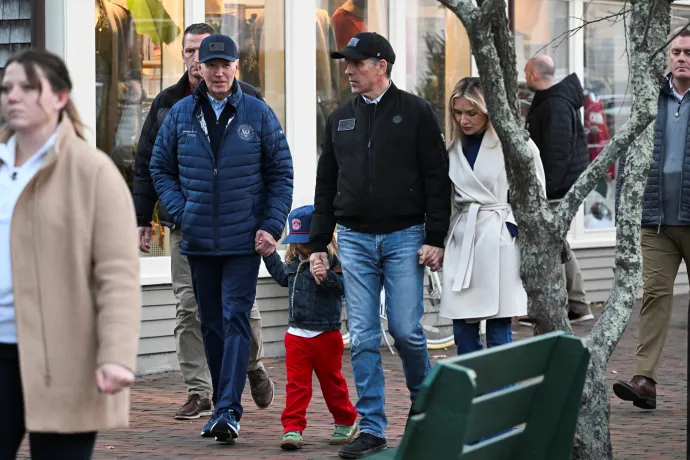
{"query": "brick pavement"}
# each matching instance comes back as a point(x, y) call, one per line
point(154, 434)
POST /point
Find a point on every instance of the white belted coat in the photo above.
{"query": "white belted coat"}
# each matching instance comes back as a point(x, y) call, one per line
point(481, 273)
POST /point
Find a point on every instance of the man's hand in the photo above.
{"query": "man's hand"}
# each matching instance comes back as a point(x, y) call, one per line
point(112, 378)
point(431, 256)
point(319, 265)
point(145, 239)
point(264, 243)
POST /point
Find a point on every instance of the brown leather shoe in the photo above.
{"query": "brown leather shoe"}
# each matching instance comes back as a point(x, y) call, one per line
point(262, 388)
point(194, 408)
point(640, 390)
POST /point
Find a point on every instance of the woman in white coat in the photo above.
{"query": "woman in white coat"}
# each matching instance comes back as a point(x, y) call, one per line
point(481, 275)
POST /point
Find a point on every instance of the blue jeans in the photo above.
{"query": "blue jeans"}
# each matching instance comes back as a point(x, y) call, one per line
point(225, 289)
point(370, 262)
point(498, 332)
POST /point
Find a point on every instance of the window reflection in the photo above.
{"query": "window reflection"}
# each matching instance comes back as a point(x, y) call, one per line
point(438, 53)
point(138, 54)
point(540, 28)
point(258, 28)
point(337, 21)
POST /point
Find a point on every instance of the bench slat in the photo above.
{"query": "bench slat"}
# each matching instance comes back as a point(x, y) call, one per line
point(500, 411)
point(501, 366)
point(500, 447)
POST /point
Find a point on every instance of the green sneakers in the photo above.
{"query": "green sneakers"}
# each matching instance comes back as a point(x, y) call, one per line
point(343, 434)
point(292, 440)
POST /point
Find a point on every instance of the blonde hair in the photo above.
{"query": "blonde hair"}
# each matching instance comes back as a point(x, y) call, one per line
point(291, 253)
point(471, 89)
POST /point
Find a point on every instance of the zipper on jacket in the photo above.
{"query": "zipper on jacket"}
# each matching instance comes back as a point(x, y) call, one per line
point(682, 169)
point(662, 151)
point(369, 150)
point(215, 180)
point(216, 194)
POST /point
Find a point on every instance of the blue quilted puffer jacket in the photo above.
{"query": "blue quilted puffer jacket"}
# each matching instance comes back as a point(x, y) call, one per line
point(220, 201)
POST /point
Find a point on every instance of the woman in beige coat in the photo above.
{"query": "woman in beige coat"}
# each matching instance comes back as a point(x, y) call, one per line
point(69, 279)
point(481, 273)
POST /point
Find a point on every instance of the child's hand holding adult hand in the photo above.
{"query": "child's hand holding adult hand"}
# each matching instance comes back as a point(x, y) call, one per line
point(264, 243)
point(319, 271)
point(319, 265)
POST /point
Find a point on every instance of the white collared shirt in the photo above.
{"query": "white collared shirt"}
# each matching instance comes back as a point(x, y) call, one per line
point(13, 180)
point(673, 89)
point(378, 99)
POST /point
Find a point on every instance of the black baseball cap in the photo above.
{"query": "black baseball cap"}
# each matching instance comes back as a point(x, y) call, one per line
point(366, 45)
point(217, 46)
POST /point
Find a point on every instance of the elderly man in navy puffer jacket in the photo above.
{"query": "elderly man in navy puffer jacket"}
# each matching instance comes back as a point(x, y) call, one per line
point(222, 168)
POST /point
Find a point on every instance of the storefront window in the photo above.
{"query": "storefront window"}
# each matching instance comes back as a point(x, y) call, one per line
point(608, 98)
point(337, 21)
point(258, 28)
point(438, 53)
point(138, 54)
point(541, 28)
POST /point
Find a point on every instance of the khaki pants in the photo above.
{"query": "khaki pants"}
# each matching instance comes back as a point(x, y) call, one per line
point(188, 339)
point(662, 251)
point(574, 285)
point(577, 298)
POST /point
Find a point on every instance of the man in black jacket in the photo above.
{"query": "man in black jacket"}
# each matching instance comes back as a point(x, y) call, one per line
point(188, 339)
point(383, 178)
point(555, 126)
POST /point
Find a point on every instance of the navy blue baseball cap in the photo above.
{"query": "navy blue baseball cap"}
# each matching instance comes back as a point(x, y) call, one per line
point(217, 46)
point(299, 222)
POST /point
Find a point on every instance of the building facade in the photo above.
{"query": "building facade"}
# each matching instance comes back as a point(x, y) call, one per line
point(134, 50)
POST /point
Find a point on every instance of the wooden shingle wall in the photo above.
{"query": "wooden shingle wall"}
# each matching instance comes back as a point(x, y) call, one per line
point(15, 27)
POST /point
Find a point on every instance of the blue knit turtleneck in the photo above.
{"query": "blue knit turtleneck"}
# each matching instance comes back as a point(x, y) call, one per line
point(471, 148)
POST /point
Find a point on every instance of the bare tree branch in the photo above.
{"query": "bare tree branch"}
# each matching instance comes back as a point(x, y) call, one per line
point(668, 42)
point(652, 5)
point(628, 261)
point(571, 32)
point(505, 42)
point(488, 10)
point(620, 142)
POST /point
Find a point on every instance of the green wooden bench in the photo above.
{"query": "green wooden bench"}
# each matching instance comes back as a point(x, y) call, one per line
point(518, 401)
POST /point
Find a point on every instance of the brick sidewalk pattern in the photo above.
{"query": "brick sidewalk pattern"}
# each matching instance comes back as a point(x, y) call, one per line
point(154, 434)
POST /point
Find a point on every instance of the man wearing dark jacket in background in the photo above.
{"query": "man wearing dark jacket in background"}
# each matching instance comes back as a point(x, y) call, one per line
point(555, 125)
point(188, 341)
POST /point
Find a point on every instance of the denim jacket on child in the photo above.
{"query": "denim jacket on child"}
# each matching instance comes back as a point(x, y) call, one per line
point(311, 306)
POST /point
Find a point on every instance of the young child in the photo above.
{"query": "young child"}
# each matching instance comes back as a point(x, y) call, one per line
point(313, 342)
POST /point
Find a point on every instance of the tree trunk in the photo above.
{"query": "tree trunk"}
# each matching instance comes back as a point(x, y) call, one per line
point(543, 232)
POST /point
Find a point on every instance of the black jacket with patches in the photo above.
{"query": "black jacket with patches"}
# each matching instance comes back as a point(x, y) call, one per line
point(383, 168)
point(143, 193)
point(555, 125)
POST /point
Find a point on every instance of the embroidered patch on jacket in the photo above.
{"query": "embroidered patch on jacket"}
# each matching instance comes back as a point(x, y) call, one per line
point(346, 125)
point(397, 119)
point(245, 132)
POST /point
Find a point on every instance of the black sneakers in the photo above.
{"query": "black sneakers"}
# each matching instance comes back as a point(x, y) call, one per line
point(364, 444)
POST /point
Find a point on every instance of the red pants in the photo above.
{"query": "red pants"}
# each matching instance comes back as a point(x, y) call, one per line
point(324, 355)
